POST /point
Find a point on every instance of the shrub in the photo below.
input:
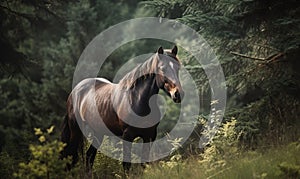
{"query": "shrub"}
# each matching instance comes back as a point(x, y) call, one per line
point(45, 161)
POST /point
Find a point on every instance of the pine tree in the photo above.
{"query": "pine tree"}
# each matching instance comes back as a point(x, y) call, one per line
point(257, 42)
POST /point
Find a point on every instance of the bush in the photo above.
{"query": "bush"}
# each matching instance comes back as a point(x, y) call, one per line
point(45, 161)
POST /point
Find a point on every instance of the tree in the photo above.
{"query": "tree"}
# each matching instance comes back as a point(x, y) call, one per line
point(258, 45)
point(43, 41)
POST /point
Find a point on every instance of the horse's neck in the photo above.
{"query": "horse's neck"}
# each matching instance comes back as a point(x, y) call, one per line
point(142, 92)
point(145, 88)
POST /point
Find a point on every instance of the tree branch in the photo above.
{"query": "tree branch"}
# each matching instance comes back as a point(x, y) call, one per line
point(26, 16)
point(275, 57)
point(268, 59)
point(246, 56)
point(60, 19)
point(269, 47)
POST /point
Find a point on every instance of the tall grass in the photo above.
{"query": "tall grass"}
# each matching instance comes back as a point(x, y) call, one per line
point(280, 162)
point(222, 159)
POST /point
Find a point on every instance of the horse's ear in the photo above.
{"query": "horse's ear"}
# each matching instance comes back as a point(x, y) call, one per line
point(174, 50)
point(160, 50)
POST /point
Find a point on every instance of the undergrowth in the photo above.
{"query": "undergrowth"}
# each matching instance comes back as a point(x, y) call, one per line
point(280, 162)
point(221, 159)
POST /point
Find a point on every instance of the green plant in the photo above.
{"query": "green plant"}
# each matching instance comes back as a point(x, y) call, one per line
point(105, 166)
point(222, 147)
point(291, 169)
point(45, 161)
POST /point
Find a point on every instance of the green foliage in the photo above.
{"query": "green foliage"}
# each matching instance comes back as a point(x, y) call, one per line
point(257, 43)
point(22, 23)
point(289, 170)
point(224, 146)
point(7, 165)
point(278, 162)
point(105, 166)
point(45, 161)
point(224, 159)
point(41, 42)
point(170, 117)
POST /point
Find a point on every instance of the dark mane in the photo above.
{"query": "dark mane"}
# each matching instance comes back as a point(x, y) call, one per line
point(142, 70)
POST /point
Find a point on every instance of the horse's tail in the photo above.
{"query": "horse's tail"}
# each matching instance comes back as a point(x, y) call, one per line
point(65, 133)
point(72, 136)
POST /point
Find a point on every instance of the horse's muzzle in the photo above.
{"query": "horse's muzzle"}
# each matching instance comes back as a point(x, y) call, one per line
point(178, 96)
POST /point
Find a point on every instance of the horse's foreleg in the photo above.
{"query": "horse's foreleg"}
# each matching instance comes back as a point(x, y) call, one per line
point(147, 143)
point(146, 150)
point(128, 138)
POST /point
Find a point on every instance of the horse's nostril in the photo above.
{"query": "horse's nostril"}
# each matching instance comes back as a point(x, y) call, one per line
point(177, 94)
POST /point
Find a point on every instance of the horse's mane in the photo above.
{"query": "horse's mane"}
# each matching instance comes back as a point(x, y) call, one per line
point(145, 69)
point(142, 70)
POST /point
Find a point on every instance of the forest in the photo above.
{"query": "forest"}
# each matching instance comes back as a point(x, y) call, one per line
point(257, 44)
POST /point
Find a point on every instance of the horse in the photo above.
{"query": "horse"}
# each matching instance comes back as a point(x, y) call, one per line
point(102, 105)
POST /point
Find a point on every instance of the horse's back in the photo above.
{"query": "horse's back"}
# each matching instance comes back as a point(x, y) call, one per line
point(92, 102)
point(87, 87)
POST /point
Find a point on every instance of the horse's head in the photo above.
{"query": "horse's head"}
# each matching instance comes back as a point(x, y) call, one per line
point(167, 73)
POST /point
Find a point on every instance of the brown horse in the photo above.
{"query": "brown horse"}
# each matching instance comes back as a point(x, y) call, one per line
point(125, 109)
